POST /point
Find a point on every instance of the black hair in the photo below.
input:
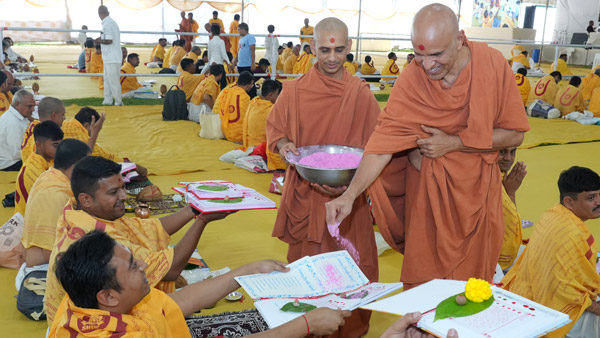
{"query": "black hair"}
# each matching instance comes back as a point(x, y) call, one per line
point(264, 62)
point(391, 55)
point(522, 71)
point(576, 180)
point(270, 86)
point(85, 115)
point(243, 26)
point(368, 59)
point(216, 70)
point(89, 171)
point(215, 29)
point(162, 39)
point(89, 43)
point(230, 56)
point(3, 78)
point(349, 57)
point(245, 78)
point(556, 73)
point(185, 63)
point(525, 53)
point(132, 55)
point(270, 28)
point(47, 130)
point(236, 17)
point(181, 42)
point(290, 44)
point(69, 152)
point(84, 269)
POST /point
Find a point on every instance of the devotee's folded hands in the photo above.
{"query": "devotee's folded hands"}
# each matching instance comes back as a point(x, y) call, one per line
point(403, 328)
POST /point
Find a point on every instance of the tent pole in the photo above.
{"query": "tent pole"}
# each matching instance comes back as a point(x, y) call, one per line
point(458, 14)
point(358, 33)
point(543, 34)
point(242, 10)
point(163, 17)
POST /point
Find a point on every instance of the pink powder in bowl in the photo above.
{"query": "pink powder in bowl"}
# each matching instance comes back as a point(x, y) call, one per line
point(325, 160)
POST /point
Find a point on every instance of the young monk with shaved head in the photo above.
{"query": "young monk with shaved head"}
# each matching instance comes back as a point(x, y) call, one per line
point(451, 113)
point(327, 105)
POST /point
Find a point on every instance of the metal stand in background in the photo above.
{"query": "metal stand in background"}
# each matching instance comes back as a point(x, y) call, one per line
point(543, 35)
point(358, 33)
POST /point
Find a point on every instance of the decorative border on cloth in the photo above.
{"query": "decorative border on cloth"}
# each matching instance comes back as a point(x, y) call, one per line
point(227, 324)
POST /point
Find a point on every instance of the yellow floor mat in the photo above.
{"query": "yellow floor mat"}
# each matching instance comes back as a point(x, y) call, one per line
point(558, 131)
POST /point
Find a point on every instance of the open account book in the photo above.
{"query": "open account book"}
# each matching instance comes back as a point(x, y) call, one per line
point(327, 280)
point(510, 315)
point(201, 201)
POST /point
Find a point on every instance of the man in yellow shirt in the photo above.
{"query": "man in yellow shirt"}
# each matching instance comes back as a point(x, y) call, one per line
point(511, 181)
point(561, 65)
point(194, 27)
point(522, 60)
point(349, 64)
point(569, 98)
point(589, 83)
point(232, 104)
point(6, 96)
point(306, 30)
point(49, 108)
point(523, 84)
point(546, 88)
point(290, 61)
point(167, 60)
point(206, 93)
point(99, 204)
point(558, 267)
point(85, 127)
point(233, 29)
point(158, 54)
point(368, 68)
point(304, 61)
point(47, 136)
point(187, 81)
point(255, 122)
point(390, 68)
point(97, 66)
point(47, 198)
point(177, 54)
point(287, 51)
point(215, 20)
point(192, 55)
point(113, 297)
point(130, 84)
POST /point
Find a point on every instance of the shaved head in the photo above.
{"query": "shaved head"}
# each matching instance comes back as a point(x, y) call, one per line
point(438, 43)
point(331, 44)
point(330, 25)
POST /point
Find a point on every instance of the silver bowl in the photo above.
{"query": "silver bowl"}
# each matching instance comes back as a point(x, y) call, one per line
point(330, 177)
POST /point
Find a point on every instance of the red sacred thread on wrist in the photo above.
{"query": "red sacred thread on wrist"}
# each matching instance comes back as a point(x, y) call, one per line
point(307, 327)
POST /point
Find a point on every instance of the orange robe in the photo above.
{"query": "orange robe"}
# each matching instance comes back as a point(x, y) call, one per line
point(146, 238)
point(74, 129)
point(569, 99)
point(254, 130)
point(233, 29)
point(48, 196)
point(130, 82)
point(524, 87)
point(231, 105)
point(544, 90)
point(28, 145)
point(186, 26)
point(316, 109)
point(5, 101)
point(589, 83)
point(188, 83)
point(558, 267)
point(454, 224)
point(32, 168)
point(207, 86)
point(155, 316)
point(513, 234)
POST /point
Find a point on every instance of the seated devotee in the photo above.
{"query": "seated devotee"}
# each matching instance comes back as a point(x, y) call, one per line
point(561, 65)
point(589, 83)
point(511, 181)
point(167, 59)
point(523, 84)
point(47, 135)
point(13, 56)
point(232, 104)
point(254, 128)
point(97, 65)
point(158, 54)
point(546, 88)
point(516, 50)
point(206, 93)
point(390, 68)
point(349, 64)
point(287, 50)
point(5, 95)
point(98, 204)
point(177, 54)
point(201, 62)
point(187, 81)
point(569, 98)
point(519, 61)
point(192, 55)
point(85, 127)
point(13, 125)
point(558, 267)
point(594, 105)
point(304, 61)
point(290, 61)
point(279, 66)
point(368, 68)
point(409, 58)
point(47, 198)
point(85, 58)
point(112, 285)
point(49, 109)
point(262, 67)
point(130, 84)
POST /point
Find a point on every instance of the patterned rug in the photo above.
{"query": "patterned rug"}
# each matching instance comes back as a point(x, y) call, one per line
point(227, 324)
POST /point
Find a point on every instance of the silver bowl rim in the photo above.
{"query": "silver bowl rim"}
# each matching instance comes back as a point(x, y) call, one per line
point(288, 158)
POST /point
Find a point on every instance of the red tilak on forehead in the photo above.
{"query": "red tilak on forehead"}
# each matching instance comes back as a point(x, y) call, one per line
point(421, 47)
point(332, 39)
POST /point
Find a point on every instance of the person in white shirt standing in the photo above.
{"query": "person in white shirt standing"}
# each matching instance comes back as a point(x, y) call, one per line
point(272, 50)
point(110, 42)
point(216, 52)
point(13, 125)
